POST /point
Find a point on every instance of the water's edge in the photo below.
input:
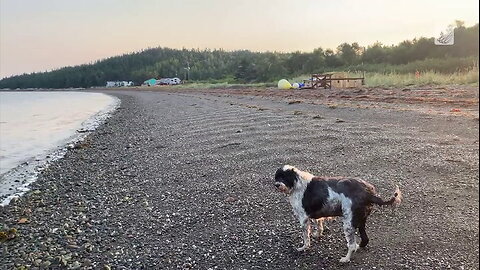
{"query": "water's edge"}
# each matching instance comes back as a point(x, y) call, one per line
point(15, 182)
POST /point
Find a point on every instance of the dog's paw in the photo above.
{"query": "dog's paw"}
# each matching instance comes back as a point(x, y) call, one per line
point(317, 234)
point(345, 260)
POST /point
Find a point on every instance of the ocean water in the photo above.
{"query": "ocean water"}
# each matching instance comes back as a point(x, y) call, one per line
point(35, 125)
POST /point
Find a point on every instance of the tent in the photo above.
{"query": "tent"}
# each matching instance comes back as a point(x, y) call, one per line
point(150, 82)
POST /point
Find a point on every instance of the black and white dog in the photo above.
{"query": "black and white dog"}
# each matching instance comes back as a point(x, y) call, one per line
point(316, 198)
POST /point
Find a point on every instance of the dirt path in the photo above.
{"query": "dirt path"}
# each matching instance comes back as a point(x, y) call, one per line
point(184, 180)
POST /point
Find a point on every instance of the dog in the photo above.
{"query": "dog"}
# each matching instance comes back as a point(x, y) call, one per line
point(316, 198)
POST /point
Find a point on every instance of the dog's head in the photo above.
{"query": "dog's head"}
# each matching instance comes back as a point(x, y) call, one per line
point(285, 178)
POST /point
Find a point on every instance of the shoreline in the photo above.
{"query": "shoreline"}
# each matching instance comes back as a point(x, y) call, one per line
point(182, 180)
point(16, 181)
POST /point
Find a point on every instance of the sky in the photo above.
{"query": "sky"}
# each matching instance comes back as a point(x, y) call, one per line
point(43, 35)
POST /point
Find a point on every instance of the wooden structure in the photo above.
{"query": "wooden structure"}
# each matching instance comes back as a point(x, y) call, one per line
point(319, 81)
point(325, 81)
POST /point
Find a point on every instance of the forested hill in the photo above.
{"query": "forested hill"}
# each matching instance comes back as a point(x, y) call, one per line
point(247, 66)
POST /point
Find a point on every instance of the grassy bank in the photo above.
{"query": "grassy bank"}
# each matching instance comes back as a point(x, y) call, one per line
point(423, 78)
point(372, 79)
point(395, 79)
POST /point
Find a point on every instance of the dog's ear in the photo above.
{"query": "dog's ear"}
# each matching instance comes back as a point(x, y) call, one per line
point(290, 176)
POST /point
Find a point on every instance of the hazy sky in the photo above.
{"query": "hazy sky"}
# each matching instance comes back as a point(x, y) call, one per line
point(40, 35)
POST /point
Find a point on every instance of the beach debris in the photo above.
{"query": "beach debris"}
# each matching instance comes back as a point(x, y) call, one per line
point(9, 234)
point(23, 221)
point(339, 120)
point(230, 144)
point(318, 117)
point(81, 145)
point(297, 113)
point(294, 102)
point(295, 86)
point(160, 146)
point(284, 84)
point(455, 110)
point(452, 160)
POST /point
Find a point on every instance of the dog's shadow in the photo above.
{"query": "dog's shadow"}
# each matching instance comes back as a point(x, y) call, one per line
point(325, 250)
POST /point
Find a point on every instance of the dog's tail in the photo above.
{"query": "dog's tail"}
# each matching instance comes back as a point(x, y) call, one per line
point(395, 200)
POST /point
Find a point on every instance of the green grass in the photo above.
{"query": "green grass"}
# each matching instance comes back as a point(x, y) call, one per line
point(469, 77)
point(447, 65)
point(426, 78)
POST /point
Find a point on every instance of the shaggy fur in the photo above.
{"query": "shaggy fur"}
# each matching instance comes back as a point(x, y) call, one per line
point(316, 198)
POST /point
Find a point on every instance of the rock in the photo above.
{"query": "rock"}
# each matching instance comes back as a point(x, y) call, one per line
point(87, 262)
point(75, 265)
point(45, 264)
point(230, 199)
point(37, 262)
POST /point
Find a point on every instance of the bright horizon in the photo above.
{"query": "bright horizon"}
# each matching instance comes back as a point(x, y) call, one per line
point(38, 36)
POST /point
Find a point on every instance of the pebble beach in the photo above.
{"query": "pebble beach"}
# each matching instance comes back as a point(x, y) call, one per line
point(184, 180)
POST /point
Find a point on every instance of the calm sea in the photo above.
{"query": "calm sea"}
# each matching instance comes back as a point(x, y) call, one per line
point(34, 124)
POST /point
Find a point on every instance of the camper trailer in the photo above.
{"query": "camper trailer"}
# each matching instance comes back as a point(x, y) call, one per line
point(119, 83)
point(169, 81)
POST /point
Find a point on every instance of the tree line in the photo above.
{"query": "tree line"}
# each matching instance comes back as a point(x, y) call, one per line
point(246, 66)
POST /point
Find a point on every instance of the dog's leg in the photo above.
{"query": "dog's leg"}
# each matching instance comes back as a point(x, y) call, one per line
point(349, 232)
point(319, 231)
point(363, 235)
point(306, 227)
point(361, 226)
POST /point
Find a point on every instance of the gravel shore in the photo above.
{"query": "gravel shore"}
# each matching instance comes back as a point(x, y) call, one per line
point(185, 181)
